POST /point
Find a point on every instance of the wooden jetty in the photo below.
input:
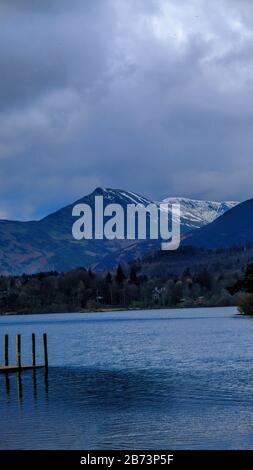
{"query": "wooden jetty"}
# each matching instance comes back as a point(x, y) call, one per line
point(19, 367)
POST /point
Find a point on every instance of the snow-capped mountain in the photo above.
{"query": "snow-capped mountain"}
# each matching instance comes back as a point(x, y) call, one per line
point(197, 213)
point(125, 197)
point(234, 228)
point(194, 213)
point(48, 244)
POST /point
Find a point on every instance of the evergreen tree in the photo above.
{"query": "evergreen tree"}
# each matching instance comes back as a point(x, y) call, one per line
point(108, 278)
point(245, 284)
point(120, 276)
point(90, 273)
point(133, 275)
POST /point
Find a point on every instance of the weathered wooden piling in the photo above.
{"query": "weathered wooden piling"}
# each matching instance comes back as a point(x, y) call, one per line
point(19, 367)
point(33, 350)
point(45, 350)
point(6, 350)
point(18, 351)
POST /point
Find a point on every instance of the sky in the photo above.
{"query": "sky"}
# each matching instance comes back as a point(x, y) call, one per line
point(152, 96)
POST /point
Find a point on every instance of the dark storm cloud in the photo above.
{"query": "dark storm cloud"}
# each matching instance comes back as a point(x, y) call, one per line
point(49, 51)
point(152, 96)
point(45, 6)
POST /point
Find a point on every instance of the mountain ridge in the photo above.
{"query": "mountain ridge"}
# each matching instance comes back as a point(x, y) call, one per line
point(234, 227)
point(48, 244)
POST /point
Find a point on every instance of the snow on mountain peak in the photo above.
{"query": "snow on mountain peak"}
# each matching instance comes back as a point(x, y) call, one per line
point(195, 213)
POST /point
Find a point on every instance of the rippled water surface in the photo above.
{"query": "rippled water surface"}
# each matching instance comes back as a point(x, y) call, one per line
point(175, 379)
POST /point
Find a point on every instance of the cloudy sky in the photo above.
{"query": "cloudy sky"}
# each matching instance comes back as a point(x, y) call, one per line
point(154, 96)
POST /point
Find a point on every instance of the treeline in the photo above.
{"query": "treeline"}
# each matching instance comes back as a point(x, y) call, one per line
point(244, 286)
point(135, 286)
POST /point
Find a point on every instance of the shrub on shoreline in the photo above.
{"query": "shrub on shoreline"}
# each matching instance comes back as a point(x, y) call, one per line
point(245, 305)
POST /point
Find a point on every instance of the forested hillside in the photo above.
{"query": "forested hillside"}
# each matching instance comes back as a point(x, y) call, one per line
point(188, 278)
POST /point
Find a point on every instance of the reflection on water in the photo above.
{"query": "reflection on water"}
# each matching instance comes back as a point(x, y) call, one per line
point(93, 408)
point(7, 384)
point(17, 384)
point(136, 381)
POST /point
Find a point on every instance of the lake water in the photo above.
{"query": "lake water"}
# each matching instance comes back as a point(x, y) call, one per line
point(172, 379)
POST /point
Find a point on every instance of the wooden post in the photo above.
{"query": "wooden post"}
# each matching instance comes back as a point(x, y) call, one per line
point(33, 350)
point(6, 350)
point(45, 350)
point(18, 350)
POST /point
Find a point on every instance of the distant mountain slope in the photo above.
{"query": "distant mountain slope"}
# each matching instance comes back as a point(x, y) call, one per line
point(235, 227)
point(48, 244)
point(196, 213)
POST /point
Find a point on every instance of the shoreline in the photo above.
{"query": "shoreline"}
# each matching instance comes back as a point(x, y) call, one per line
point(118, 309)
